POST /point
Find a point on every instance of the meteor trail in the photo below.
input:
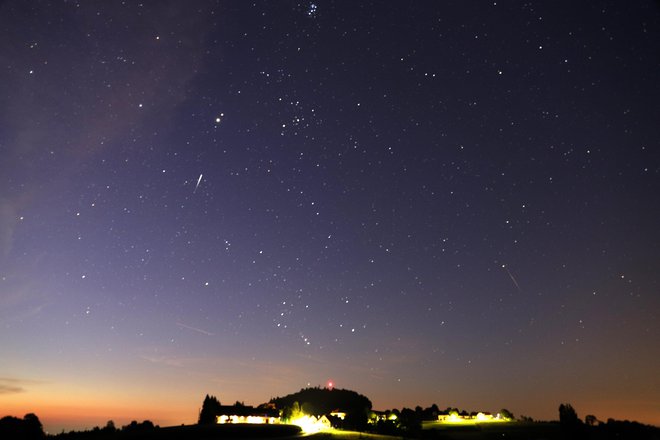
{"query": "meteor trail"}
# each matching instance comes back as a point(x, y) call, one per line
point(198, 182)
point(512, 277)
point(195, 329)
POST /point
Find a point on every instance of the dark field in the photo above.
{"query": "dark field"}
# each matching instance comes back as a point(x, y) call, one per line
point(513, 431)
point(197, 432)
point(536, 431)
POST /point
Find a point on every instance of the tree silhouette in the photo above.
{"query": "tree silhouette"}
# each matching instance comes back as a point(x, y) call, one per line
point(410, 420)
point(506, 414)
point(431, 413)
point(33, 427)
point(567, 415)
point(210, 410)
point(590, 420)
point(134, 426)
point(109, 427)
point(571, 424)
point(29, 428)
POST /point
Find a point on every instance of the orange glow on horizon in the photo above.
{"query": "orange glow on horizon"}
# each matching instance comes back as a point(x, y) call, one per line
point(68, 405)
point(69, 411)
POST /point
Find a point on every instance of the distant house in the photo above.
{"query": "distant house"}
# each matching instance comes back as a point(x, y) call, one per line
point(247, 414)
point(448, 418)
point(485, 417)
point(381, 416)
point(341, 415)
point(480, 417)
point(324, 422)
point(311, 424)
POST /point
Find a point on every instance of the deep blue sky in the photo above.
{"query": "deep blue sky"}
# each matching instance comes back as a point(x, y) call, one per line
point(426, 202)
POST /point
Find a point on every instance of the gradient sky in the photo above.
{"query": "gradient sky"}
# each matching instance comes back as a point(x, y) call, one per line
point(450, 202)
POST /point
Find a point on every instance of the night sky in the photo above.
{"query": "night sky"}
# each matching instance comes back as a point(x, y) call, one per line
point(451, 202)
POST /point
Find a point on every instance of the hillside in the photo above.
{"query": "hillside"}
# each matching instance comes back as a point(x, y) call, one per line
point(318, 401)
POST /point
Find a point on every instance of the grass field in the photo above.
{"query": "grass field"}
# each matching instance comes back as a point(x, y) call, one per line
point(204, 432)
point(490, 431)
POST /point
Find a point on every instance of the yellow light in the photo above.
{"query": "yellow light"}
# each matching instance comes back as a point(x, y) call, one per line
point(309, 424)
point(481, 418)
point(338, 414)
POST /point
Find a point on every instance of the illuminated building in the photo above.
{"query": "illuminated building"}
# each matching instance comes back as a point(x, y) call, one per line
point(247, 414)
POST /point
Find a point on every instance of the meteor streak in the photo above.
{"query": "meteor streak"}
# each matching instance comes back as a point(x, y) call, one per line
point(195, 329)
point(198, 182)
point(512, 277)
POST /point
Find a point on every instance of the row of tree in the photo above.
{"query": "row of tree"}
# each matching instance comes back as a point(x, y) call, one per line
point(109, 430)
point(30, 428)
point(573, 428)
point(409, 420)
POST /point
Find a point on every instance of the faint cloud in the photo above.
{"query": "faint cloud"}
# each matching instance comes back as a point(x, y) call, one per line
point(10, 388)
point(171, 361)
point(11, 385)
point(21, 300)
